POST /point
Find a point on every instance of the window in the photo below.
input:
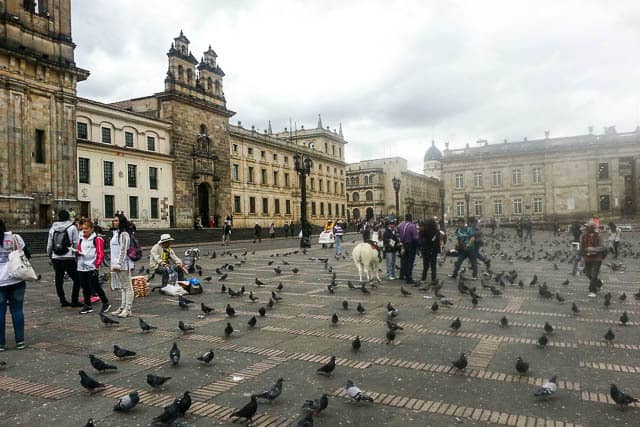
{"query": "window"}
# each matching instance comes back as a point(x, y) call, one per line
point(154, 208)
point(236, 204)
point(604, 203)
point(276, 206)
point(286, 180)
point(355, 197)
point(538, 205)
point(516, 177)
point(108, 177)
point(252, 205)
point(537, 175)
point(497, 208)
point(342, 188)
point(313, 208)
point(287, 207)
point(477, 179)
point(329, 208)
point(132, 176)
point(250, 175)
point(153, 178)
point(275, 179)
point(82, 130)
point(151, 143)
point(234, 147)
point(460, 209)
point(321, 208)
point(459, 180)
point(333, 150)
point(517, 206)
point(106, 135)
point(326, 147)
point(128, 139)
point(340, 155)
point(263, 177)
point(312, 184)
point(335, 188)
point(108, 206)
point(263, 154)
point(286, 159)
point(342, 210)
point(496, 178)
point(265, 206)
point(366, 180)
point(603, 171)
point(477, 207)
point(133, 207)
point(83, 170)
point(320, 186)
point(235, 171)
point(275, 157)
point(39, 148)
point(250, 151)
point(368, 196)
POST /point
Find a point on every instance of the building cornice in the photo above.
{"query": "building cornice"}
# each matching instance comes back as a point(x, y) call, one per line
point(100, 146)
point(97, 107)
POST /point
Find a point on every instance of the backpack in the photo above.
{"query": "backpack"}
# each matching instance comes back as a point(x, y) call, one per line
point(134, 252)
point(61, 241)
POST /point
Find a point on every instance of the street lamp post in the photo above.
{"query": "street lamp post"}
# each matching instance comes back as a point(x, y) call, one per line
point(466, 202)
point(396, 188)
point(441, 191)
point(303, 165)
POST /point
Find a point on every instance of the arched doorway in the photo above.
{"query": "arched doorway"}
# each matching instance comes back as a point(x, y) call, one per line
point(356, 214)
point(203, 203)
point(369, 213)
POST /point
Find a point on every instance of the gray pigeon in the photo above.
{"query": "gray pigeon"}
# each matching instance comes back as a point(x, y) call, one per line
point(128, 402)
point(273, 392)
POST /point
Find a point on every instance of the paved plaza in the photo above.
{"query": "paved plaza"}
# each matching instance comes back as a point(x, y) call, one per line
point(411, 379)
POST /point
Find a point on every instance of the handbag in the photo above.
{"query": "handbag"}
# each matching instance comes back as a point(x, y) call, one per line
point(19, 267)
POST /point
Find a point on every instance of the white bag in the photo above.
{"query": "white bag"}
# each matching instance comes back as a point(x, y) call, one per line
point(19, 267)
point(173, 290)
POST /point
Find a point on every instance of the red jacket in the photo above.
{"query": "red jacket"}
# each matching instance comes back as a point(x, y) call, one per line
point(591, 240)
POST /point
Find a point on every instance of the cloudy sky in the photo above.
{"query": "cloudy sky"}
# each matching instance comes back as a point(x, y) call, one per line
point(397, 74)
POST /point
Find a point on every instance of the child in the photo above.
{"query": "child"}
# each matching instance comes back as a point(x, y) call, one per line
point(90, 257)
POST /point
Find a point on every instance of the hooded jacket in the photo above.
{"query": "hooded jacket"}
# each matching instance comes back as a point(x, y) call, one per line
point(72, 232)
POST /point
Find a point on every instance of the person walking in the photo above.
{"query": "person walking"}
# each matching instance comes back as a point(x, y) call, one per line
point(478, 243)
point(464, 246)
point(226, 231)
point(528, 226)
point(162, 256)
point(63, 237)
point(285, 228)
point(429, 238)
point(593, 253)
point(121, 265)
point(408, 236)
point(338, 232)
point(556, 228)
point(90, 257)
point(11, 290)
point(257, 233)
point(272, 231)
point(390, 245)
point(614, 238)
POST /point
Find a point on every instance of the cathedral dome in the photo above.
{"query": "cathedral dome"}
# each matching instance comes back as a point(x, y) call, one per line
point(432, 153)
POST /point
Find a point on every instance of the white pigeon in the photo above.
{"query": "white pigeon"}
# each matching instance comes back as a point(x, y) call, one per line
point(548, 388)
point(356, 394)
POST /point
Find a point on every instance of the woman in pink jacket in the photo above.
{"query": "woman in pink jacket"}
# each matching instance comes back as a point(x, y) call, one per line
point(90, 256)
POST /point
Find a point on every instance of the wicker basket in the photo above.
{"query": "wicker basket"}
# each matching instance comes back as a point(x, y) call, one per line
point(140, 286)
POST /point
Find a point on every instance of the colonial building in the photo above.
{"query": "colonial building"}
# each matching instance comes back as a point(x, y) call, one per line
point(38, 77)
point(370, 191)
point(124, 164)
point(546, 179)
point(265, 185)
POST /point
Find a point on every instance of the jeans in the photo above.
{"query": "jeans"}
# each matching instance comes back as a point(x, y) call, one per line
point(462, 255)
point(68, 265)
point(408, 259)
point(14, 296)
point(338, 242)
point(429, 258)
point(480, 256)
point(592, 270)
point(391, 264)
point(164, 271)
point(89, 282)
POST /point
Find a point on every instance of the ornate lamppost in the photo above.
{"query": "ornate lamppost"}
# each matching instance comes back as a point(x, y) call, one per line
point(466, 203)
point(441, 191)
point(396, 188)
point(302, 166)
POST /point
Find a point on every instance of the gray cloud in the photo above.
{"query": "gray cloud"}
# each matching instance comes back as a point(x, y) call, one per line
point(396, 74)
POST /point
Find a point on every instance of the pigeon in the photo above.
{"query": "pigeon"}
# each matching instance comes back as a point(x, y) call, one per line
point(559, 297)
point(461, 363)
point(107, 320)
point(548, 388)
point(168, 416)
point(228, 330)
point(145, 326)
point(185, 328)
point(90, 423)
point(270, 304)
point(318, 405)
point(247, 411)
point(434, 306)
point(206, 357)
point(121, 353)
point(574, 308)
point(230, 311)
point(174, 354)
point(548, 329)
point(280, 286)
point(273, 393)
point(128, 402)
point(609, 336)
point(183, 403)
point(277, 270)
point(565, 283)
point(356, 344)
point(334, 319)
point(624, 318)
point(183, 304)
point(521, 366)
point(360, 308)
point(185, 300)
point(223, 289)
point(208, 279)
point(327, 368)
point(504, 322)
point(252, 298)
point(394, 326)
point(100, 365)
point(3, 363)
point(156, 381)
point(262, 311)
point(306, 420)
point(534, 280)
point(345, 305)
point(206, 309)
point(391, 335)
point(252, 322)
point(364, 289)
point(223, 277)
point(331, 289)
point(404, 292)
point(356, 394)
point(350, 285)
point(89, 383)
point(260, 283)
point(543, 341)
point(391, 311)
point(623, 297)
point(275, 297)
point(455, 325)
point(295, 270)
point(621, 399)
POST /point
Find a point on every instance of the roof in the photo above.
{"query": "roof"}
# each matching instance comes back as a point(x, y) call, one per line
point(433, 153)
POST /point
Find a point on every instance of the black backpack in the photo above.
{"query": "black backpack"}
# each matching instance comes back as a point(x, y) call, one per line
point(61, 241)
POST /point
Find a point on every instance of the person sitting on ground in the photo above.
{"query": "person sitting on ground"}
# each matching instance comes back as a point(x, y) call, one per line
point(162, 256)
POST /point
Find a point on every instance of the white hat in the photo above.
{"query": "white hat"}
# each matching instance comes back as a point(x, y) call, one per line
point(165, 238)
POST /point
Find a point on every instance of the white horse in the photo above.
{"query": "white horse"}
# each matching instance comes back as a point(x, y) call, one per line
point(365, 256)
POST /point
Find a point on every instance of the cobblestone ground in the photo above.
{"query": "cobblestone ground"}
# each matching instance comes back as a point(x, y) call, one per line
point(409, 379)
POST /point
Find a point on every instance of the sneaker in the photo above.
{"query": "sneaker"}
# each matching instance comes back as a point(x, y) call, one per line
point(86, 310)
point(591, 295)
point(105, 307)
point(21, 345)
point(117, 311)
point(124, 313)
point(76, 304)
point(453, 276)
point(65, 304)
point(392, 278)
point(474, 278)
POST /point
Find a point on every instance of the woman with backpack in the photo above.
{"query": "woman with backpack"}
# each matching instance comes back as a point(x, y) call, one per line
point(121, 265)
point(90, 256)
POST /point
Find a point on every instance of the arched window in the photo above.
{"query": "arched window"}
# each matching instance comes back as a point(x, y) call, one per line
point(347, 197)
point(209, 84)
point(368, 196)
point(356, 197)
point(203, 129)
point(218, 88)
point(190, 76)
point(180, 73)
point(356, 213)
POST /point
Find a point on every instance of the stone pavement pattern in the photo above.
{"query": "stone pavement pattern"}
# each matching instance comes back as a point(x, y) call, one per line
point(410, 379)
